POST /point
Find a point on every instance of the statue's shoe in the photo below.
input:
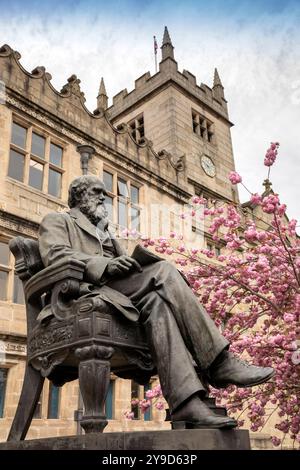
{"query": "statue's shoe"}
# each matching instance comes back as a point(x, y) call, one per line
point(228, 369)
point(196, 415)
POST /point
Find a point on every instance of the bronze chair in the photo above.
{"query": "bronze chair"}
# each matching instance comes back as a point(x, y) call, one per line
point(84, 338)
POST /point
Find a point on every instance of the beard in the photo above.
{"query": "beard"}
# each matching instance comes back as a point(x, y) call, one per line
point(94, 211)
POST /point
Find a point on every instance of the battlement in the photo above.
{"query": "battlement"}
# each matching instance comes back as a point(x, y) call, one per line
point(210, 97)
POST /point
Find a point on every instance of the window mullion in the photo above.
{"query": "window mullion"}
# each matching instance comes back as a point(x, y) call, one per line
point(27, 156)
point(10, 285)
point(115, 198)
point(46, 165)
point(129, 205)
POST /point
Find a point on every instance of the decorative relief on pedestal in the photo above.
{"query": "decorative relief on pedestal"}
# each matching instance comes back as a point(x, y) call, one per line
point(51, 337)
point(84, 327)
point(94, 352)
point(103, 327)
point(62, 297)
point(46, 364)
point(122, 332)
point(84, 306)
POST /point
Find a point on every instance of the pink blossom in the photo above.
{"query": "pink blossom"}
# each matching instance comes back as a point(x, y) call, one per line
point(296, 357)
point(251, 234)
point(135, 401)
point(275, 441)
point(159, 405)
point(234, 177)
point(149, 394)
point(144, 405)
point(288, 317)
point(270, 203)
point(292, 226)
point(129, 415)
point(271, 154)
point(157, 391)
point(255, 198)
point(282, 210)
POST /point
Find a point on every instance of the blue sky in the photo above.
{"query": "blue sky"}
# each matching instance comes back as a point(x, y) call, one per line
point(254, 44)
point(244, 7)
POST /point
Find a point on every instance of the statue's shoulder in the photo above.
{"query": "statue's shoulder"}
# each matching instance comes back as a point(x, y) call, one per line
point(56, 218)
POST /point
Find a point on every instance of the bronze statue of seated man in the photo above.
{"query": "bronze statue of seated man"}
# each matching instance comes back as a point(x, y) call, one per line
point(179, 330)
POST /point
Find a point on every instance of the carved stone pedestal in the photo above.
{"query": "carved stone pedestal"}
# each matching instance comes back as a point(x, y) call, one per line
point(190, 439)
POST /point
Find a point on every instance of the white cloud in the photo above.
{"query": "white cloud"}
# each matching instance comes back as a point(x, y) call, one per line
point(258, 61)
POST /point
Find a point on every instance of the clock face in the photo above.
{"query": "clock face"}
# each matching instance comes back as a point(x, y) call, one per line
point(208, 166)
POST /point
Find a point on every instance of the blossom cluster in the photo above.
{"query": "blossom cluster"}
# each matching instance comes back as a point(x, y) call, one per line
point(153, 397)
point(271, 154)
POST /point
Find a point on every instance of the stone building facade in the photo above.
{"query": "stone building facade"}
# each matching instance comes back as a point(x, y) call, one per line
point(155, 146)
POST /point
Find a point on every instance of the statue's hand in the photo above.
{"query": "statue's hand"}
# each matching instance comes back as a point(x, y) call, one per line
point(122, 265)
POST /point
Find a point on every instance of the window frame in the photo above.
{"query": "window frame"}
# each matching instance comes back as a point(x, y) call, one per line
point(6, 268)
point(137, 128)
point(203, 127)
point(116, 198)
point(2, 402)
point(141, 389)
point(10, 269)
point(50, 401)
point(111, 394)
point(29, 155)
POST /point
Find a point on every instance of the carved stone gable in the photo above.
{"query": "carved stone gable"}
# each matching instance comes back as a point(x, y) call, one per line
point(73, 88)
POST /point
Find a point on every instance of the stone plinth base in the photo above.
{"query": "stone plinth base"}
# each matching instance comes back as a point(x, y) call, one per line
point(189, 439)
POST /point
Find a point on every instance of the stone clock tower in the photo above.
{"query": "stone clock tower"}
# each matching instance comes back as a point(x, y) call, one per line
point(187, 119)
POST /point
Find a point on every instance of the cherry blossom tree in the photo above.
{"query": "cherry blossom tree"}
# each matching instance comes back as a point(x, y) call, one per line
point(252, 291)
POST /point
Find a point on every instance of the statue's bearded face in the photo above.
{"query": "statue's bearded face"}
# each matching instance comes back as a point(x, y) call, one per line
point(92, 205)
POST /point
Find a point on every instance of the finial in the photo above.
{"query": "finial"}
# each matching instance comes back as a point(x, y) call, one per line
point(102, 98)
point(267, 184)
point(217, 80)
point(102, 90)
point(167, 48)
point(166, 39)
point(218, 89)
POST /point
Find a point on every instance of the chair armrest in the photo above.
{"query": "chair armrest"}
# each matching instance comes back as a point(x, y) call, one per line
point(45, 280)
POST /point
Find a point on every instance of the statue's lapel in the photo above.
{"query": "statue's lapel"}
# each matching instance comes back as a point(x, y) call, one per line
point(119, 249)
point(83, 222)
